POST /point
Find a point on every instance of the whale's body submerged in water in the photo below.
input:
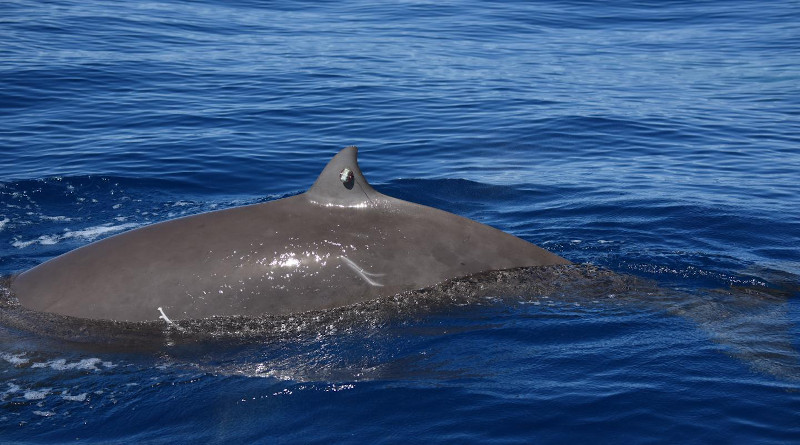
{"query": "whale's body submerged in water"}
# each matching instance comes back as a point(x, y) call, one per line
point(339, 243)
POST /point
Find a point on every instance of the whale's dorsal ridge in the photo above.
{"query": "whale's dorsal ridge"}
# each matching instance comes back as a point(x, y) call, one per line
point(341, 182)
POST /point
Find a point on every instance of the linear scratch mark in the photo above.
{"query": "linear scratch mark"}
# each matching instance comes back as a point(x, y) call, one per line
point(164, 317)
point(361, 272)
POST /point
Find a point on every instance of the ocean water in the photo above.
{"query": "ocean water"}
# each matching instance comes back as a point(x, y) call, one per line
point(655, 143)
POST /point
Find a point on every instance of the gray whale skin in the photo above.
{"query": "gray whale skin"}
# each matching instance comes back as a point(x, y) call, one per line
point(339, 243)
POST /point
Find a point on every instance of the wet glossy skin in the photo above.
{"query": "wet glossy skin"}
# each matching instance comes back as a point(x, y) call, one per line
point(336, 244)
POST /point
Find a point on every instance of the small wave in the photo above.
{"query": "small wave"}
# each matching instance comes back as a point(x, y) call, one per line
point(3, 223)
point(87, 234)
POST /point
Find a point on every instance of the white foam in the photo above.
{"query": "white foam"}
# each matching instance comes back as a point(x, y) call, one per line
point(87, 234)
point(94, 232)
point(14, 359)
point(71, 398)
point(44, 240)
point(36, 395)
point(3, 223)
point(12, 388)
point(44, 413)
point(54, 218)
point(87, 364)
point(22, 244)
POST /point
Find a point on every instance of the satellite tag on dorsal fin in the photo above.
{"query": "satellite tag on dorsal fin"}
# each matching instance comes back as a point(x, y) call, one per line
point(341, 182)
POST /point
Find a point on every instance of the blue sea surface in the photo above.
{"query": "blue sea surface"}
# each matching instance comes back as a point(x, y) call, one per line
point(658, 140)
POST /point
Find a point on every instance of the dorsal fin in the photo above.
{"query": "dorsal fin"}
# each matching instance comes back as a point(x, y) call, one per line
point(341, 182)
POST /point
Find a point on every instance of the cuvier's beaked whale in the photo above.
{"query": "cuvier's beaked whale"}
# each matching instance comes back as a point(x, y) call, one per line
point(339, 243)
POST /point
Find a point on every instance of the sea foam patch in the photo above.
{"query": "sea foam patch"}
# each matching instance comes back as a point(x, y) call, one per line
point(74, 398)
point(34, 394)
point(14, 359)
point(87, 234)
point(87, 364)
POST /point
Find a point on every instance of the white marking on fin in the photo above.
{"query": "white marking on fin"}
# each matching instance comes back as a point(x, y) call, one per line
point(361, 272)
